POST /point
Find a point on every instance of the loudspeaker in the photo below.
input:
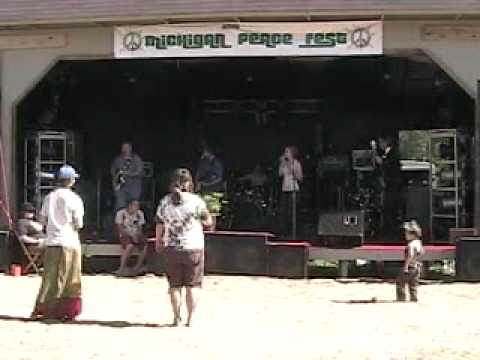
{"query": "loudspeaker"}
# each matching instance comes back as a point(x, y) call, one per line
point(417, 206)
point(236, 253)
point(455, 234)
point(5, 251)
point(467, 259)
point(100, 264)
point(345, 223)
point(287, 259)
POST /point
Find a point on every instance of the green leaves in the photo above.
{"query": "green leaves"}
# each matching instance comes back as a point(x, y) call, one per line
point(214, 202)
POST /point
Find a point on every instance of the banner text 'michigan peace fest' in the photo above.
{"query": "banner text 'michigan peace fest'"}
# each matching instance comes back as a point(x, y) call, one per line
point(219, 41)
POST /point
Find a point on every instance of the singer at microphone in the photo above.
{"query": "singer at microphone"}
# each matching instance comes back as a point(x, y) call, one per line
point(290, 170)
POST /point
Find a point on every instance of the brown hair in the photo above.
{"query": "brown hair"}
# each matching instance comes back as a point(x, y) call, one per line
point(182, 181)
point(294, 150)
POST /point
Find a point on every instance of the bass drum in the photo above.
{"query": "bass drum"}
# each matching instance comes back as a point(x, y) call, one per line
point(247, 216)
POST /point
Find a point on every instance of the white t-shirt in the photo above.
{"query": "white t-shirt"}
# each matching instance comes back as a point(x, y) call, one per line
point(415, 250)
point(63, 211)
point(291, 175)
point(183, 223)
point(133, 223)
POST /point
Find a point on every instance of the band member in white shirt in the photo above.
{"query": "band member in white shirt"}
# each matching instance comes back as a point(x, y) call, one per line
point(290, 170)
point(62, 212)
point(127, 172)
point(130, 222)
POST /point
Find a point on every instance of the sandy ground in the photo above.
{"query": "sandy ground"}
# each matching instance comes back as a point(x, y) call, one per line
point(246, 318)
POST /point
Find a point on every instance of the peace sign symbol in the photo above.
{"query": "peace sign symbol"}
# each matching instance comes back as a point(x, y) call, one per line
point(361, 37)
point(132, 41)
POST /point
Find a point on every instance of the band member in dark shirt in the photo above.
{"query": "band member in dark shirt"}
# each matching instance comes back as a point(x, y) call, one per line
point(209, 177)
point(388, 160)
point(127, 172)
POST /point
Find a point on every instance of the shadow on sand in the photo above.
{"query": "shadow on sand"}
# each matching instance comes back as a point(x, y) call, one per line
point(369, 301)
point(112, 324)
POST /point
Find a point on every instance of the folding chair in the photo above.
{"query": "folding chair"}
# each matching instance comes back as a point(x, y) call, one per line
point(34, 258)
point(33, 254)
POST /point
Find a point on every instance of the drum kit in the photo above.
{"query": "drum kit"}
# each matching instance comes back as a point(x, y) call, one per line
point(370, 201)
point(249, 207)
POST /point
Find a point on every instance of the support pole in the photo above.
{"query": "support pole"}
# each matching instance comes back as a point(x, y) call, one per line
point(294, 215)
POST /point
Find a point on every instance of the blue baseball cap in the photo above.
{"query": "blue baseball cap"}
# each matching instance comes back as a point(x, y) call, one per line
point(67, 172)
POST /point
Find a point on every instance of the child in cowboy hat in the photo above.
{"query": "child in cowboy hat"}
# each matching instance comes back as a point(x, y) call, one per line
point(412, 266)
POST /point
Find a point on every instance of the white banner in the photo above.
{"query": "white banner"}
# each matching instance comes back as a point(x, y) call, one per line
point(250, 39)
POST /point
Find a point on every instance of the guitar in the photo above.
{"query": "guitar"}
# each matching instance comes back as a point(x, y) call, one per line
point(377, 163)
point(119, 179)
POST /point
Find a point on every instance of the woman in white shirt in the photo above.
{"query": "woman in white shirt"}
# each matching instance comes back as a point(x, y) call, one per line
point(181, 216)
point(290, 170)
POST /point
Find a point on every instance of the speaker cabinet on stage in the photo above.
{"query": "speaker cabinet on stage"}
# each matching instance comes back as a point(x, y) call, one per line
point(467, 259)
point(348, 227)
point(287, 259)
point(455, 234)
point(417, 206)
point(236, 253)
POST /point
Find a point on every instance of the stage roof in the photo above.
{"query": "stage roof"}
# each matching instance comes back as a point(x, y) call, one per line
point(51, 12)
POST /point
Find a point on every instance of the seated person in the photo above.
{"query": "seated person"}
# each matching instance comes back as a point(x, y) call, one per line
point(209, 177)
point(256, 178)
point(129, 223)
point(30, 232)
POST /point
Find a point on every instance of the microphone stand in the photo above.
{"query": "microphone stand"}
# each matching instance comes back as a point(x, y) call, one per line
point(294, 203)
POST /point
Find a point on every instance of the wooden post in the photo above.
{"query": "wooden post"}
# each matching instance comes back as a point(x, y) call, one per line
point(476, 161)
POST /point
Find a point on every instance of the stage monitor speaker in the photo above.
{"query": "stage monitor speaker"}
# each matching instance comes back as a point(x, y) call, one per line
point(287, 259)
point(467, 259)
point(236, 253)
point(344, 223)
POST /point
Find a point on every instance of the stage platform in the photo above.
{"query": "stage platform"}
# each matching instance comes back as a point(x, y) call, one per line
point(379, 253)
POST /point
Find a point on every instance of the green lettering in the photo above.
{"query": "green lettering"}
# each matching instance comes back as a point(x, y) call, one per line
point(171, 40)
point(210, 41)
point(198, 40)
point(341, 38)
point(288, 39)
point(150, 40)
point(220, 40)
point(309, 38)
point(276, 39)
point(242, 38)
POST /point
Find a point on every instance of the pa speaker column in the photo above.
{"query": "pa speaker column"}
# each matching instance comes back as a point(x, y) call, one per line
point(467, 259)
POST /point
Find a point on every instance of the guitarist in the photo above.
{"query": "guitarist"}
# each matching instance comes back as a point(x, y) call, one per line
point(388, 160)
point(127, 173)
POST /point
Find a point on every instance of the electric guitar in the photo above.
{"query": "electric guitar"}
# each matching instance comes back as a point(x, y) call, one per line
point(119, 178)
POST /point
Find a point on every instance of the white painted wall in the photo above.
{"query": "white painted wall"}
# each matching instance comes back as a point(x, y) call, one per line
point(458, 58)
point(21, 69)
